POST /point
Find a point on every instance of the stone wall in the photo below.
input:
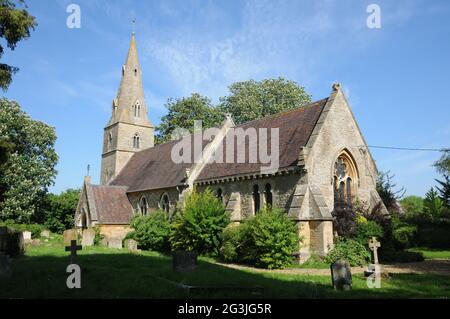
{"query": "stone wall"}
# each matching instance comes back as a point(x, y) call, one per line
point(153, 199)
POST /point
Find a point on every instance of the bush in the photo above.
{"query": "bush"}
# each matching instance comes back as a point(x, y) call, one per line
point(349, 250)
point(35, 229)
point(367, 230)
point(151, 231)
point(200, 225)
point(267, 240)
point(401, 256)
point(434, 235)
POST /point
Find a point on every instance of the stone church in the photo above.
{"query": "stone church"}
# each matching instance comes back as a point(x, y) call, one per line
point(324, 166)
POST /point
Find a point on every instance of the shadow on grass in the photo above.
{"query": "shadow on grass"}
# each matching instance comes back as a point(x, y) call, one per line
point(127, 275)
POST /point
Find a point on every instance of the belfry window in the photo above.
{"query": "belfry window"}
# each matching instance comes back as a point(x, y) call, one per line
point(268, 195)
point(256, 199)
point(110, 140)
point(136, 141)
point(137, 109)
point(344, 181)
point(143, 206)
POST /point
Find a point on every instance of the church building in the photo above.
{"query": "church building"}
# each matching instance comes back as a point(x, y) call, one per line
point(324, 166)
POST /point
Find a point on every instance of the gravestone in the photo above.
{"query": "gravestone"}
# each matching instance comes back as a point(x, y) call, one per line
point(341, 275)
point(88, 237)
point(104, 242)
point(11, 242)
point(27, 237)
point(184, 261)
point(131, 244)
point(5, 266)
point(73, 251)
point(45, 234)
point(69, 235)
point(115, 243)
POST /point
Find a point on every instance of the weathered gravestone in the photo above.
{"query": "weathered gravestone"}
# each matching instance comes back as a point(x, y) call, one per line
point(184, 261)
point(45, 234)
point(69, 235)
point(341, 275)
point(104, 242)
point(88, 237)
point(131, 244)
point(115, 243)
point(5, 266)
point(11, 242)
point(27, 237)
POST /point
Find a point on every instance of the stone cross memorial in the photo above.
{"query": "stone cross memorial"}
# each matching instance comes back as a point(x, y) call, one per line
point(374, 244)
point(73, 250)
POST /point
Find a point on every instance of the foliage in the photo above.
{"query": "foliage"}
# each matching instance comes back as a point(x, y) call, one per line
point(58, 211)
point(367, 230)
point(443, 164)
point(98, 236)
point(434, 207)
point(151, 231)
point(400, 256)
point(403, 233)
point(30, 169)
point(183, 112)
point(267, 240)
point(434, 234)
point(444, 190)
point(35, 229)
point(15, 25)
point(200, 225)
point(351, 250)
point(412, 205)
point(386, 188)
point(345, 222)
point(251, 100)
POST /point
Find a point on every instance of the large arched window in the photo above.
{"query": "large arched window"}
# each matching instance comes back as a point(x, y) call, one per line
point(256, 199)
point(164, 203)
point(136, 140)
point(268, 195)
point(143, 206)
point(344, 181)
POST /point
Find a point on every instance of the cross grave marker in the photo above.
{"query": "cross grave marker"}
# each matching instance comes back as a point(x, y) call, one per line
point(73, 250)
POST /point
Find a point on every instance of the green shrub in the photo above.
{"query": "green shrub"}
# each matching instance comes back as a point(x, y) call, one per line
point(151, 231)
point(350, 250)
point(98, 236)
point(200, 225)
point(267, 240)
point(400, 256)
point(35, 229)
point(59, 210)
point(433, 235)
point(368, 229)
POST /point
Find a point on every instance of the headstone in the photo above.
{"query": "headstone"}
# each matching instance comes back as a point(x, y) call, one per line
point(341, 275)
point(27, 237)
point(5, 266)
point(73, 251)
point(45, 234)
point(131, 244)
point(88, 237)
point(115, 243)
point(184, 261)
point(69, 235)
point(11, 242)
point(104, 242)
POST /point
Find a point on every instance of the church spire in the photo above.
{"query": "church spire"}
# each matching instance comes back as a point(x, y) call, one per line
point(130, 105)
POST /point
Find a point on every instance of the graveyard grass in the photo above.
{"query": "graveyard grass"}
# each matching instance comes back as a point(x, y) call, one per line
point(111, 273)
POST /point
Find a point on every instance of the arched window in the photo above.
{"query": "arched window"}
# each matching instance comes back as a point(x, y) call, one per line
point(268, 195)
point(137, 109)
point(136, 141)
point(164, 203)
point(135, 72)
point(143, 206)
point(344, 181)
point(219, 194)
point(256, 199)
point(110, 140)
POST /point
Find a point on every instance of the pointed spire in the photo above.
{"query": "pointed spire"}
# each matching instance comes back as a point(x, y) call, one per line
point(131, 92)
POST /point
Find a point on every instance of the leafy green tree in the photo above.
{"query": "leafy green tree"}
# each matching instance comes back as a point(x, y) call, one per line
point(5, 151)
point(444, 190)
point(59, 210)
point(434, 206)
point(200, 225)
point(412, 205)
point(15, 25)
point(183, 112)
point(30, 167)
point(443, 164)
point(386, 188)
point(152, 231)
point(251, 99)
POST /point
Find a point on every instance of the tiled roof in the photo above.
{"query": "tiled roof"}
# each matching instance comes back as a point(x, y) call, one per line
point(112, 204)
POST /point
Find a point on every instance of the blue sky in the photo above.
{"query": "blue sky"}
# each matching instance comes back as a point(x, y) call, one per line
point(396, 78)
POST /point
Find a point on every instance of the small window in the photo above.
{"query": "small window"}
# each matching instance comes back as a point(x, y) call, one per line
point(268, 195)
point(110, 140)
point(135, 72)
point(136, 141)
point(219, 194)
point(256, 199)
point(143, 206)
point(165, 204)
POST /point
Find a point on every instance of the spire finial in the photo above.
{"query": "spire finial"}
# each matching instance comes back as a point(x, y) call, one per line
point(133, 24)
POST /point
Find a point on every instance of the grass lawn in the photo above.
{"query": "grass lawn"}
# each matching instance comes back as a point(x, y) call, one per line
point(429, 253)
point(108, 273)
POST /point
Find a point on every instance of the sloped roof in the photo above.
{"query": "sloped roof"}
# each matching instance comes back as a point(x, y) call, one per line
point(153, 168)
point(112, 204)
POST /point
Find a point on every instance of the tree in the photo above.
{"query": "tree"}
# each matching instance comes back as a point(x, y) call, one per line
point(389, 195)
point(15, 25)
point(443, 164)
point(59, 210)
point(444, 190)
point(433, 205)
point(30, 167)
point(251, 100)
point(412, 205)
point(183, 112)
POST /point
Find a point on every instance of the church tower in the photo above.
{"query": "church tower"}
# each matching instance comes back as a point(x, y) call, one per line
point(129, 130)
